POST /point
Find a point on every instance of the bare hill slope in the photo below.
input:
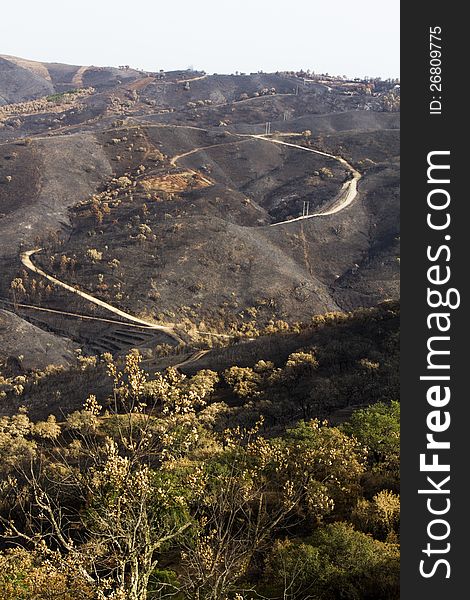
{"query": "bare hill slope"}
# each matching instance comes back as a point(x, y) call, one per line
point(178, 197)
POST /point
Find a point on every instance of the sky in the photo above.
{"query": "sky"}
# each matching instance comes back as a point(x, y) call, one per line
point(340, 37)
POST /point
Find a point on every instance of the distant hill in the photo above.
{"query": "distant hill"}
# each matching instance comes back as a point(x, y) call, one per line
point(22, 79)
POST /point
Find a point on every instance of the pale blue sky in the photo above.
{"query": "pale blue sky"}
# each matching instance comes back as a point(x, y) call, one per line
point(356, 38)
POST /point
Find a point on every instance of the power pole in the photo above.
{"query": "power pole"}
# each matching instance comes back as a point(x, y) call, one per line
point(306, 208)
point(267, 130)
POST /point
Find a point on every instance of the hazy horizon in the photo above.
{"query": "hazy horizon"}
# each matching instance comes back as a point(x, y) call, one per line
point(252, 36)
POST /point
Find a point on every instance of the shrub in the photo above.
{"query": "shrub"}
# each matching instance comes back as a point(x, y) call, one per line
point(337, 563)
point(94, 255)
point(380, 517)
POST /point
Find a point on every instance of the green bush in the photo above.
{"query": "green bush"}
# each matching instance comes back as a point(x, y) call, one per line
point(337, 563)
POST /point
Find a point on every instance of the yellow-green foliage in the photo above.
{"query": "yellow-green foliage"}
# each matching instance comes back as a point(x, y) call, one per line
point(380, 516)
point(144, 495)
point(40, 576)
point(335, 562)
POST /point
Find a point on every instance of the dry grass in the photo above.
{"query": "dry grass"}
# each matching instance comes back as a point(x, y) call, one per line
point(175, 182)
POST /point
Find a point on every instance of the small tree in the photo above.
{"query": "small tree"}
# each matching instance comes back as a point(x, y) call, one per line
point(17, 290)
point(241, 509)
point(338, 562)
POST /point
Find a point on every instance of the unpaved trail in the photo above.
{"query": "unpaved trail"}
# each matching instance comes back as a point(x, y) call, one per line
point(198, 78)
point(27, 262)
point(168, 329)
point(176, 158)
point(234, 103)
point(345, 196)
point(140, 84)
point(71, 314)
point(193, 358)
point(77, 79)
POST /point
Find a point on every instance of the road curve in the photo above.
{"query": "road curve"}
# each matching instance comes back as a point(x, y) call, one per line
point(343, 199)
point(193, 358)
point(177, 157)
point(27, 262)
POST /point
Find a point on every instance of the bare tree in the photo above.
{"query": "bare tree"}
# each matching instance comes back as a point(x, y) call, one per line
point(240, 512)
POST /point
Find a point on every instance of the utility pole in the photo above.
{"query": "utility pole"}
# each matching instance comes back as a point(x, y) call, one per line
point(267, 129)
point(306, 208)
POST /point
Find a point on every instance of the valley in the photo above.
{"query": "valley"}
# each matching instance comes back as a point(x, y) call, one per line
point(199, 326)
point(185, 210)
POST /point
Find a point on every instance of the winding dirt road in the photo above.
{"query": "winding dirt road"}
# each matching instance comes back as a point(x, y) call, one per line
point(193, 358)
point(169, 328)
point(177, 157)
point(27, 262)
point(345, 196)
point(343, 199)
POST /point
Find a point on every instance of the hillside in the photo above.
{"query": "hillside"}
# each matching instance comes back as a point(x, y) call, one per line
point(199, 334)
point(346, 347)
point(22, 80)
point(160, 195)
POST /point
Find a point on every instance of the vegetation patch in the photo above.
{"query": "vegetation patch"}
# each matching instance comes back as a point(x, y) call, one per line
point(175, 182)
